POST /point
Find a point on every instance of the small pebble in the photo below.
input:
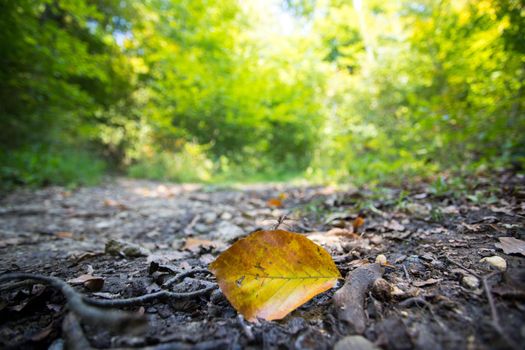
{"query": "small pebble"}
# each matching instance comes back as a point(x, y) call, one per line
point(209, 217)
point(355, 342)
point(381, 259)
point(470, 282)
point(226, 216)
point(382, 290)
point(496, 261)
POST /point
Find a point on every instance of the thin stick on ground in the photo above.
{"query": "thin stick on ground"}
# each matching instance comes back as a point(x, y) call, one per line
point(280, 221)
point(114, 319)
point(182, 275)
point(88, 313)
point(73, 334)
point(163, 294)
point(407, 275)
point(349, 300)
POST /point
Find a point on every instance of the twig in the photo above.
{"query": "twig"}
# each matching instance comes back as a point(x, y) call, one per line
point(342, 258)
point(19, 284)
point(475, 274)
point(407, 275)
point(350, 298)
point(192, 223)
point(245, 328)
point(182, 275)
point(493, 310)
point(420, 301)
point(114, 319)
point(280, 221)
point(163, 294)
point(73, 334)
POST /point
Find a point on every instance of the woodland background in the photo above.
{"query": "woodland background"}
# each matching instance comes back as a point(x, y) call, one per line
point(230, 90)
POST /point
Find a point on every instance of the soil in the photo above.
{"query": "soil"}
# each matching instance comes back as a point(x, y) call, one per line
point(433, 239)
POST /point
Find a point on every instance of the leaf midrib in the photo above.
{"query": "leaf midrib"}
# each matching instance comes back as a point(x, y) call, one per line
point(289, 277)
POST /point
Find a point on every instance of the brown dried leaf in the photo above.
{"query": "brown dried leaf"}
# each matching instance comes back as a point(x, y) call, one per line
point(64, 234)
point(428, 282)
point(357, 223)
point(195, 244)
point(274, 202)
point(511, 245)
point(91, 282)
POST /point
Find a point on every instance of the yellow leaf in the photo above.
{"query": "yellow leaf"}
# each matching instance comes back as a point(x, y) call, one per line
point(271, 273)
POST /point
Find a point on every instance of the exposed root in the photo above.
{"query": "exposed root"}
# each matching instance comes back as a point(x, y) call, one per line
point(163, 294)
point(349, 300)
point(73, 334)
point(113, 319)
point(182, 275)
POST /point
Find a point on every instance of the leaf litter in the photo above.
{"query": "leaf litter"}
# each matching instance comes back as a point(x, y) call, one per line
point(422, 298)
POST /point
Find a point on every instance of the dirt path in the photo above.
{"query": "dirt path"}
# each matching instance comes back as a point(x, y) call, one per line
point(433, 242)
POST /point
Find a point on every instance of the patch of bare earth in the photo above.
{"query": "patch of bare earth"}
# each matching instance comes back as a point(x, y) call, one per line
point(424, 271)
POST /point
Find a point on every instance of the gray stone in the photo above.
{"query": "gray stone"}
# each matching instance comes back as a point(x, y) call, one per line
point(209, 217)
point(355, 342)
point(226, 231)
point(470, 282)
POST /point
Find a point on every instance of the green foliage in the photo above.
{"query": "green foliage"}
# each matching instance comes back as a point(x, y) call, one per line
point(427, 86)
point(190, 164)
point(38, 165)
point(229, 90)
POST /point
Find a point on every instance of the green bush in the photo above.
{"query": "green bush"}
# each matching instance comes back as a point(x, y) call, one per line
point(190, 164)
point(41, 165)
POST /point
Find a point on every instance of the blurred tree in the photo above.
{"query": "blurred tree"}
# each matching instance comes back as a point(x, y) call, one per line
point(183, 89)
point(60, 67)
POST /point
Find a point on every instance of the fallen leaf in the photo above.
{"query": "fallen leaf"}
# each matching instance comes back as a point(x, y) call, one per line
point(336, 216)
point(394, 225)
point(115, 204)
point(282, 196)
point(95, 284)
point(338, 240)
point(77, 257)
point(357, 262)
point(357, 223)
point(195, 244)
point(42, 334)
point(91, 282)
point(270, 273)
point(472, 228)
point(64, 234)
point(274, 202)
point(428, 282)
point(511, 245)
point(9, 241)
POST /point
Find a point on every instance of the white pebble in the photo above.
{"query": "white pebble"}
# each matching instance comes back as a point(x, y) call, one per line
point(470, 282)
point(381, 259)
point(496, 261)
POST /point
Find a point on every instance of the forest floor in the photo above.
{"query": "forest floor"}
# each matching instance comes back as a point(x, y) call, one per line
point(439, 294)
